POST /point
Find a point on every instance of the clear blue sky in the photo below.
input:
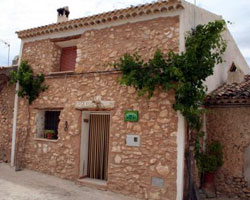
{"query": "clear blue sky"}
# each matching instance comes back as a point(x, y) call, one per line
point(18, 15)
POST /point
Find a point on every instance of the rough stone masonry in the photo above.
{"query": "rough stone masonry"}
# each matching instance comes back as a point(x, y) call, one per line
point(230, 126)
point(130, 169)
point(6, 117)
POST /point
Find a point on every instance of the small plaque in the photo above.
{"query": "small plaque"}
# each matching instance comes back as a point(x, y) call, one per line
point(131, 116)
point(133, 140)
point(157, 182)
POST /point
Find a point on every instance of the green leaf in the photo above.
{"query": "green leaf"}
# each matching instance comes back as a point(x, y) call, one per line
point(30, 85)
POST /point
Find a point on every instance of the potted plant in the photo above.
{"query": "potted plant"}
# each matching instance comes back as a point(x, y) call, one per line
point(210, 161)
point(49, 134)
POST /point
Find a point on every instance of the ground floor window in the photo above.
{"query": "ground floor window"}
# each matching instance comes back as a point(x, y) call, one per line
point(47, 124)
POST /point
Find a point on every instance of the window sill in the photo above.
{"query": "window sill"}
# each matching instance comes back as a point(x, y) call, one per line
point(45, 140)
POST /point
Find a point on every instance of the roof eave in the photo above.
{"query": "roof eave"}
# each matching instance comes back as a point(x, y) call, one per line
point(103, 18)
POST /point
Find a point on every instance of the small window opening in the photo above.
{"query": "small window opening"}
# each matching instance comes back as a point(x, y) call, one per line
point(233, 68)
point(47, 124)
point(68, 59)
point(51, 124)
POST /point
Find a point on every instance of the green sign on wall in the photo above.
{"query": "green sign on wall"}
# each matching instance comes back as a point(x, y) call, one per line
point(131, 116)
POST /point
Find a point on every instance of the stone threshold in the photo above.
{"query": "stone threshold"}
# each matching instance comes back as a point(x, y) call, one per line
point(93, 183)
point(45, 140)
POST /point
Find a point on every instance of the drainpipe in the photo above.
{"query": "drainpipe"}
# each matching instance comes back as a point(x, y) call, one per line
point(205, 132)
point(13, 143)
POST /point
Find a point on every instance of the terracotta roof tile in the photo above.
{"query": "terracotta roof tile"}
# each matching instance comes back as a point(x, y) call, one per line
point(230, 94)
point(115, 15)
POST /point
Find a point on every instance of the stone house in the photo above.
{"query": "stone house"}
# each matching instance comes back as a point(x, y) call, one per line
point(228, 122)
point(7, 93)
point(142, 156)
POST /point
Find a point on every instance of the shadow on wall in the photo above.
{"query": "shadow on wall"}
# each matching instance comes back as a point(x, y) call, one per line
point(247, 165)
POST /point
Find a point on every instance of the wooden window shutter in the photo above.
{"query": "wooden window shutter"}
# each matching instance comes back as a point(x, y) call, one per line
point(68, 59)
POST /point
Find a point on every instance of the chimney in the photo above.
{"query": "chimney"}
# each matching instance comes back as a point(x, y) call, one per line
point(235, 75)
point(63, 14)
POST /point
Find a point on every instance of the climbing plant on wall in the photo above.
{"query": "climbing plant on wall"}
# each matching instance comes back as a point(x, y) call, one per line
point(30, 85)
point(183, 72)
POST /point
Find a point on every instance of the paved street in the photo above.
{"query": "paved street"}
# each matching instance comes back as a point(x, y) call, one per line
point(30, 185)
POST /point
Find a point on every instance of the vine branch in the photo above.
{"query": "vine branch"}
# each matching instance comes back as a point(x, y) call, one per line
point(185, 73)
point(30, 85)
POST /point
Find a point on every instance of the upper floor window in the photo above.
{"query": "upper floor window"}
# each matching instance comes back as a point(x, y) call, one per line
point(68, 59)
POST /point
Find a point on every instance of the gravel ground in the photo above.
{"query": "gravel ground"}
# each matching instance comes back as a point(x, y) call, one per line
point(30, 185)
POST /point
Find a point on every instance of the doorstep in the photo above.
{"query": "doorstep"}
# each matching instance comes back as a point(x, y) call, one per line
point(93, 183)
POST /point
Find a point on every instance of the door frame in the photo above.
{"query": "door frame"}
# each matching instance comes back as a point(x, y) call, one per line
point(84, 148)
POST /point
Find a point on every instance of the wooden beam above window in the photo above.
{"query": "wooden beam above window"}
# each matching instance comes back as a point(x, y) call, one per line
point(62, 39)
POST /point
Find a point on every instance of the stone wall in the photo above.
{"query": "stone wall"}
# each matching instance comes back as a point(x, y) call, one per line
point(130, 168)
point(142, 37)
point(44, 56)
point(97, 48)
point(247, 165)
point(231, 127)
point(7, 95)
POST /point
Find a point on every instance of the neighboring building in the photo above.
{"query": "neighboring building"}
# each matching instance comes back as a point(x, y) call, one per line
point(7, 93)
point(228, 122)
point(85, 105)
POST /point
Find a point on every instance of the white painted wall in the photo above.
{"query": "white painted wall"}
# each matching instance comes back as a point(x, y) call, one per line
point(40, 122)
point(189, 18)
point(193, 16)
point(84, 143)
point(180, 156)
point(15, 112)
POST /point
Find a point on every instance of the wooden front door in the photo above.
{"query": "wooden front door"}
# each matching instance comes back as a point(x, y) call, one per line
point(98, 146)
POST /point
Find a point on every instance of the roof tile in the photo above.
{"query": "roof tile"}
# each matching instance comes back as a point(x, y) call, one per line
point(115, 15)
point(230, 94)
